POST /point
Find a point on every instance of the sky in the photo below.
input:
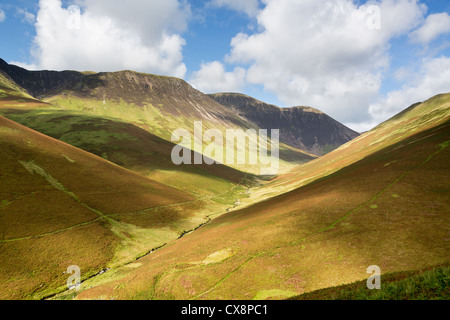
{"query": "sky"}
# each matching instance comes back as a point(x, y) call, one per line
point(361, 62)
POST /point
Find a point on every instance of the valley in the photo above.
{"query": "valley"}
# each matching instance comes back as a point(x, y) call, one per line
point(87, 179)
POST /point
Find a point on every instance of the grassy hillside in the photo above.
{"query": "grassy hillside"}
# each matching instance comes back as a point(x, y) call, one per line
point(387, 206)
point(428, 284)
point(415, 119)
point(8, 85)
point(128, 146)
point(60, 206)
point(80, 195)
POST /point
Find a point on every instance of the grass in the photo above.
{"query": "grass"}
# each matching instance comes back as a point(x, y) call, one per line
point(431, 284)
point(7, 87)
point(218, 256)
point(51, 192)
point(130, 147)
point(80, 115)
point(277, 293)
point(39, 272)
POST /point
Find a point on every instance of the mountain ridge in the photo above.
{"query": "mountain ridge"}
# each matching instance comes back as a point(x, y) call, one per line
point(303, 127)
point(168, 96)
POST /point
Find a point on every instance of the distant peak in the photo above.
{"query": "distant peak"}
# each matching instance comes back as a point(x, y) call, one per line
point(236, 96)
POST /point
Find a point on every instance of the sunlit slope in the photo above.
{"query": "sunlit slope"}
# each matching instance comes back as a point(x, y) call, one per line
point(61, 206)
point(157, 104)
point(162, 105)
point(415, 119)
point(8, 85)
point(390, 209)
point(128, 146)
point(15, 97)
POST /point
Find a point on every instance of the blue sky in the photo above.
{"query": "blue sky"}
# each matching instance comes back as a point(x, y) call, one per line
point(361, 62)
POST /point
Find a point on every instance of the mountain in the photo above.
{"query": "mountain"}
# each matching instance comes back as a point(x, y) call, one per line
point(164, 100)
point(387, 206)
point(305, 128)
point(38, 83)
point(157, 104)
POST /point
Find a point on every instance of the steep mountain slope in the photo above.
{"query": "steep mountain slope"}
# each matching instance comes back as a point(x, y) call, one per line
point(123, 144)
point(416, 118)
point(127, 146)
point(157, 104)
point(388, 208)
point(76, 90)
point(305, 128)
point(171, 95)
point(39, 83)
point(61, 206)
point(6, 83)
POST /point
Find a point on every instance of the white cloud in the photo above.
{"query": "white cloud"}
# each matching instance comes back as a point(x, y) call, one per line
point(250, 7)
point(433, 77)
point(324, 53)
point(111, 35)
point(28, 66)
point(434, 26)
point(26, 16)
point(2, 15)
point(150, 18)
point(212, 77)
